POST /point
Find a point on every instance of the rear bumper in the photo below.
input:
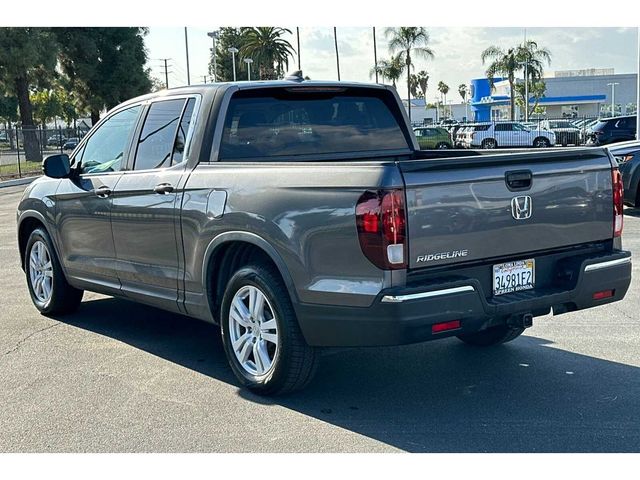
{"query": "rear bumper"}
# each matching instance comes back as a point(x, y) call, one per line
point(403, 316)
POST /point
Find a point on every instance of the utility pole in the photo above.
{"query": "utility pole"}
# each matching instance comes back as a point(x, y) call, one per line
point(613, 97)
point(204, 78)
point(375, 55)
point(298, 37)
point(186, 46)
point(166, 72)
point(335, 39)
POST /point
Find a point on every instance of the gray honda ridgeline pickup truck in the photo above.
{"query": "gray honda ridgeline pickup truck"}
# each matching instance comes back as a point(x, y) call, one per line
point(301, 214)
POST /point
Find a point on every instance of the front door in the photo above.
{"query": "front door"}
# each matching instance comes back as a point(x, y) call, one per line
point(146, 203)
point(84, 201)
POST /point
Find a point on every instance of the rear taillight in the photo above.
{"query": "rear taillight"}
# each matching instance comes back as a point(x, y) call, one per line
point(382, 231)
point(618, 202)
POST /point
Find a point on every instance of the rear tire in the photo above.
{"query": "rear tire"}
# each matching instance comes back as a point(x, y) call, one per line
point(443, 146)
point(491, 336)
point(50, 292)
point(489, 143)
point(264, 345)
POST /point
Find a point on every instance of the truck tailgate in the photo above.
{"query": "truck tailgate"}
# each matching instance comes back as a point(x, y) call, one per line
point(477, 208)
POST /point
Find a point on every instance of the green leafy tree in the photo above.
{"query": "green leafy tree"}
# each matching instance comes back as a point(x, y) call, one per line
point(408, 41)
point(8, 109)
point(228, 37)
point(47, 104)
point(391, 69)
point(269, 51)
point(104, 65)
point(537, 89)
point(27, 54)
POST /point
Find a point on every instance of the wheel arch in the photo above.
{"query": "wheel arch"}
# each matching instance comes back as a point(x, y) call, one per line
point(231, 250)
point(27, 223)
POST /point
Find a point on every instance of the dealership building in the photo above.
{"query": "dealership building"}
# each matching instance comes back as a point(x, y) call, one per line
point(568, 94)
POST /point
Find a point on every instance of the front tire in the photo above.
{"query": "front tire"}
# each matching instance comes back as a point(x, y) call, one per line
point(541, 142)
point(50, 292)
point(262, 340)
point(491, 336)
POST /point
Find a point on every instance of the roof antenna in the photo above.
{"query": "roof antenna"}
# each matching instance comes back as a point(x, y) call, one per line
point(295, 76)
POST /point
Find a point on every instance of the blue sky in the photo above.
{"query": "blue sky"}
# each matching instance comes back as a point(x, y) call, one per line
point(457, 51)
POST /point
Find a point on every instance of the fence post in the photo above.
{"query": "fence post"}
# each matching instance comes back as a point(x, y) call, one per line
point(18, 151)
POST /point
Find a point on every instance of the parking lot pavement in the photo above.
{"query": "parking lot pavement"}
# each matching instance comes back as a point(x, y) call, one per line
point(119, 377)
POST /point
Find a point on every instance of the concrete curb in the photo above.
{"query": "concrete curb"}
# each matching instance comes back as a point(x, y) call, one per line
point(17, 181)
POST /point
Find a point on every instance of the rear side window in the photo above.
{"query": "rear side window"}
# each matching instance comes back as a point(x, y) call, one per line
point(183, 131)
point(157, 139)
point(298, 124)
point(481, 128)
point(504, 127)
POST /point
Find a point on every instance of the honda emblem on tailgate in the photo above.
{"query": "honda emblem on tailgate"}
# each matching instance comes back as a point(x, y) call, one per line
point(521, 207)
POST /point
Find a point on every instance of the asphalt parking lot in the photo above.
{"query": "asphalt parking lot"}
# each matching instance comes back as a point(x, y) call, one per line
point(121, 377)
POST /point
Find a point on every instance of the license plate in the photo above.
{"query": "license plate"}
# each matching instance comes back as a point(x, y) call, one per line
point(514, 276)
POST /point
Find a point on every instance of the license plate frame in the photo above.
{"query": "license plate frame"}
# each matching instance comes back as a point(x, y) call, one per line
point(514, 276)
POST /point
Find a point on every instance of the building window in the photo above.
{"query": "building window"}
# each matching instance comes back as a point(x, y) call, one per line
point(569, 111)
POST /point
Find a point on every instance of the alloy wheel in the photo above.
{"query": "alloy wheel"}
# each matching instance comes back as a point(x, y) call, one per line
point(41, 271)
point(253, 331)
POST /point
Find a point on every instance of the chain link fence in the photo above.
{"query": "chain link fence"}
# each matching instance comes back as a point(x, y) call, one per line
point(22, 149)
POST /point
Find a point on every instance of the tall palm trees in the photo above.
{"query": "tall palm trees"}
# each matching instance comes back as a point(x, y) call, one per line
point(407, 41)
point(509, 62)
point(443, 88)
point(268, 50)
point(391, 69)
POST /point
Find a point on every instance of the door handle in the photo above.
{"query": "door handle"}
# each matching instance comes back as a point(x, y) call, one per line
point(519, 180)
point(103, 191)
point(163, 188)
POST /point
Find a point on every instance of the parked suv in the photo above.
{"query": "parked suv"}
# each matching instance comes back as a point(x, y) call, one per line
point(433, 138)
point(614, 129)
point(566, 132)
point(508, 134)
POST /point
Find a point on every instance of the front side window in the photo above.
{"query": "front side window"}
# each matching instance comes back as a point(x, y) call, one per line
point(294, 124)
point(158, 137)
point(105, 151)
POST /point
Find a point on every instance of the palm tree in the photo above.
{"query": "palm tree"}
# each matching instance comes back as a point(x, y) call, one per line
point(268, 50)
point(391, 69)
point(408, 41)
point(462, 90)
point(509, 62)
point(443, 88)
point(503, 63)
point(534, 57)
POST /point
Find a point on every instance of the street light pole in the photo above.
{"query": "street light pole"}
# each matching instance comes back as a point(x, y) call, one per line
point(214, 36)
point(375, 54)
point(248, 61)
point(613, 97)
point(233, 51)
point(186, 46)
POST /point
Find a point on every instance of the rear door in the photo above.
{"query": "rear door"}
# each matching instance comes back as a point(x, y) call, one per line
point(146, 203)
point(506, 205)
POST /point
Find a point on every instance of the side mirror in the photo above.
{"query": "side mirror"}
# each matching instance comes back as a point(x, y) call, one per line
point(57, 166)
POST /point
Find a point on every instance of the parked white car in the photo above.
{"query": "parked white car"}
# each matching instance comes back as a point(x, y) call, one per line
point(507, 134)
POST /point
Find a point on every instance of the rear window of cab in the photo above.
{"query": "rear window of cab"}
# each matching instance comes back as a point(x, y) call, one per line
point(298, 122)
